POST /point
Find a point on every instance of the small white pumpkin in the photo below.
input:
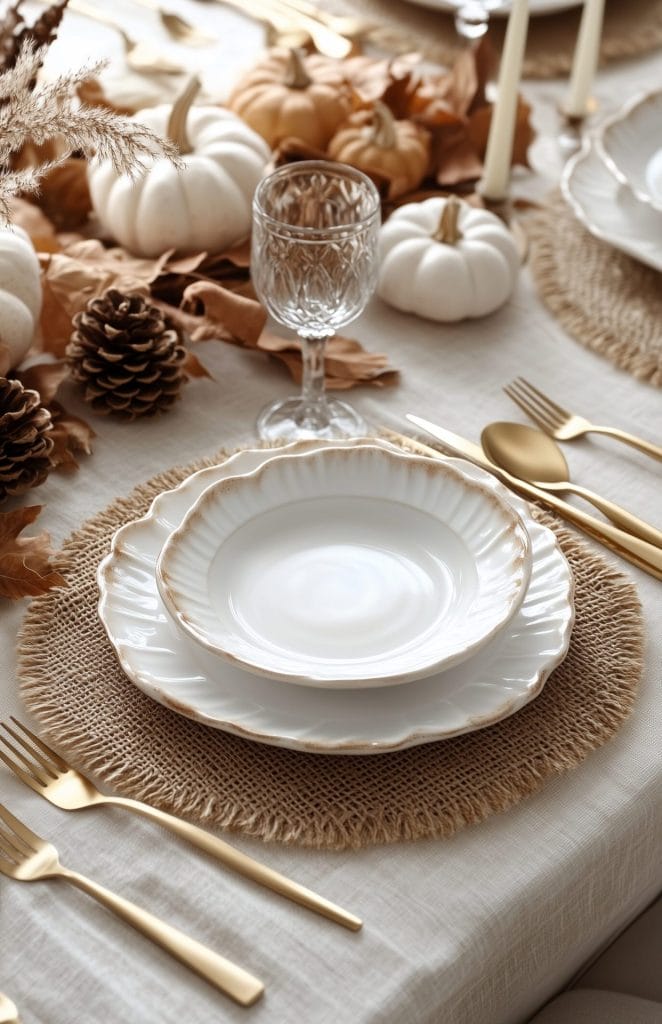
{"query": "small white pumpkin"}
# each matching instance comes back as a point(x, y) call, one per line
point(445, 260)
point(203, 207)
point(20, 295)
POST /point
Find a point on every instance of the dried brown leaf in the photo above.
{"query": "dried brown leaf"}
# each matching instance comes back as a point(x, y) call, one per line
point(346, 362)
point(65, 196)
point(223, 314)
point(33, 220)
point(91, 93)
point(71, 435)
point(193, 368)
point(44, 378)
point(25, 567)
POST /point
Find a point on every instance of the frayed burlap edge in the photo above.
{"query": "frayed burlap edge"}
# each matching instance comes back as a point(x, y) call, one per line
point(562, 285)
point(348, 827)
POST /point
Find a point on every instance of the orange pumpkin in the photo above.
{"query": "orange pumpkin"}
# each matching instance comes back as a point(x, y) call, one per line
point(374, 141)
point(290, 94)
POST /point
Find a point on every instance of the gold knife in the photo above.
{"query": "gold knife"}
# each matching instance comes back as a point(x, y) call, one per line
point(639, 552)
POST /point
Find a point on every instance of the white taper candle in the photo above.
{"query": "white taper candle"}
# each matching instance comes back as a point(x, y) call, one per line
point(585, 60)
point(496, 174)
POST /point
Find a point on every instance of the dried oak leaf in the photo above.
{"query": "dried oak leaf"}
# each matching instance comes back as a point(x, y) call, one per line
point(346, 362)
point(33, 220)
point(372, 76)
point(64, 195)
point(221, 314)
point(25, 567)
point(70, 434)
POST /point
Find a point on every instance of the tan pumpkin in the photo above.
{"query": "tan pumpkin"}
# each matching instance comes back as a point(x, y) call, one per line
point(374, 141)
point(290, 94)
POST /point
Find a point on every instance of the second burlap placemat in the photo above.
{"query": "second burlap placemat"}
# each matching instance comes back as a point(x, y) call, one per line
point(72, 683)
point(604, 298)
point(631, 27)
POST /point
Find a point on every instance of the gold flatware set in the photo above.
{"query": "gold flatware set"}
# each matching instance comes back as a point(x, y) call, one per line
point(26, 857)
point(524, 460)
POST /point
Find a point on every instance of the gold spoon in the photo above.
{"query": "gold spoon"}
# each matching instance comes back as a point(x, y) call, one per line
point(530, 455)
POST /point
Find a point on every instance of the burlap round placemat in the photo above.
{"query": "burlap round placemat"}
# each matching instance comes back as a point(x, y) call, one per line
point(72, 683)
point(631, 27)
point(604, 298)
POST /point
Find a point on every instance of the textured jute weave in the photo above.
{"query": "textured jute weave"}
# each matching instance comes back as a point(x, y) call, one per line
point(606, 300)
point(71, 681)
point(631, 27)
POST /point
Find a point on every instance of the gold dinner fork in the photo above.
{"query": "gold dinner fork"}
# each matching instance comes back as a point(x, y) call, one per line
point(27, 857)
point(50, 776)
point(8, 1012)
point(563, 425)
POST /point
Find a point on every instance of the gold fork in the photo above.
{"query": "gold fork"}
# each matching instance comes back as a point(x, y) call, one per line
point(27, 857)
point(50, 776)
point(565, 426)
point(8, 1012)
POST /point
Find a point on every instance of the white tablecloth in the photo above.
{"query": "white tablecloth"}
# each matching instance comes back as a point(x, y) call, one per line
point(480, 929)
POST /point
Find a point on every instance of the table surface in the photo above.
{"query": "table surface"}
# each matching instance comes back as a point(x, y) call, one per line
point(479, 929)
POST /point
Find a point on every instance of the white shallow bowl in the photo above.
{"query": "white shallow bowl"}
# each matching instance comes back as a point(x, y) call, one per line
point(345, 567)
point(504, 676)
point(630, 144)
point(610, 210)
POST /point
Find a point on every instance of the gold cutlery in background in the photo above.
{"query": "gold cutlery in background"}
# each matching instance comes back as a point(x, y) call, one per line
point(530, 455)
point(26, 857)
point(633, 549)
point(8, 1012)
point(45, 772)
point(180, 30)
point(287, 21)
point(563, 425)
point(140, 56)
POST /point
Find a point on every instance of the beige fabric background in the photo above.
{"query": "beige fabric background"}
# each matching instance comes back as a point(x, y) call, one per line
point(480, 929)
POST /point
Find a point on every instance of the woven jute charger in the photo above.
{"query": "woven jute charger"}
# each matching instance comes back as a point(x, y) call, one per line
point(631, 27)
point(72, 683)
point(604, 298)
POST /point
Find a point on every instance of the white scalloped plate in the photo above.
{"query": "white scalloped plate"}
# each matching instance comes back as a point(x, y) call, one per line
point(345, 567)
point(630, 144)
point(504, 676)
point(609, 210)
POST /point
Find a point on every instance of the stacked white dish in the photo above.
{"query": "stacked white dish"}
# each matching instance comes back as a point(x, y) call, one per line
point(338, 598)
point(614, 183)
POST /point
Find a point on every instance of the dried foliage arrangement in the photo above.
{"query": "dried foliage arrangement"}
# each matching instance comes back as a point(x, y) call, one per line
point(42, 112)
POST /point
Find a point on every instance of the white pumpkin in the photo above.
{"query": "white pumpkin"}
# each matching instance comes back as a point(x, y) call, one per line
point(446, 260)
point(20, 295)
point(205, 205)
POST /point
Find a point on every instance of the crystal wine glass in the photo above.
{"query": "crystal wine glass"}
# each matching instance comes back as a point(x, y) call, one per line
point(314, 266)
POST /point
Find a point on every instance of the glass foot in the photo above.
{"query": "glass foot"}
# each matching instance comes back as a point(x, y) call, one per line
point(296, 420)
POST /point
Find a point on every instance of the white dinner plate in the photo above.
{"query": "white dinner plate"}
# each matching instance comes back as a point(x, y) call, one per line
point(609, 209)
point(500, 679)
point(501, 10)
point(630, 144)
point(345, 567)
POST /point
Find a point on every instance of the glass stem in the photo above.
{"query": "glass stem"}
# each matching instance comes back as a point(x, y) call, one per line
point(312, 384)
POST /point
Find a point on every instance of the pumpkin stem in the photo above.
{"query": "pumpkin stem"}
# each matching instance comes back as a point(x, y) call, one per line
point(296, 76)
point(448, 230)
point(383, 127)
point(176, 130)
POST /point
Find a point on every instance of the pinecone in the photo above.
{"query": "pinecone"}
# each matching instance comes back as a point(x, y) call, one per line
point(127, 354)
point(25, 444)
